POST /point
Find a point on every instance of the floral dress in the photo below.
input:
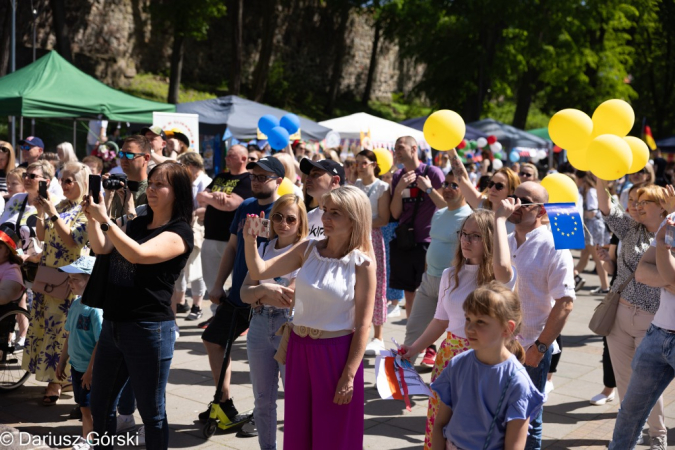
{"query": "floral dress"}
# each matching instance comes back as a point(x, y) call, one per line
point(46, 334)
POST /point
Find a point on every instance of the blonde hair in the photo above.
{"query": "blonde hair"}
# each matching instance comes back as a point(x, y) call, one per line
point(499, 302)
point(485, 220)
point(45, 166)
point(288, 162)
point(512, 180)
point(654, 193)
point(68, 152)
point(80, 173)
point(193, 159)
point(18, 173)
point(535, 171)
point(282, 202)
point(11, 161)
point(355, 205)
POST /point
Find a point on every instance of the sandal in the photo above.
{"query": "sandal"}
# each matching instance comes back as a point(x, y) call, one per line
point(50, 400)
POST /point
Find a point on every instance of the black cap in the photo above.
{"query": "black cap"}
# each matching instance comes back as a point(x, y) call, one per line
point(269, 164)
point(327, 165)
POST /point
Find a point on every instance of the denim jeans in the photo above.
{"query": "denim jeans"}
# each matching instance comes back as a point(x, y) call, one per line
point(141, 353)
point(126, 403)
point(538, 376)
point(261, 345)
point(653, 370)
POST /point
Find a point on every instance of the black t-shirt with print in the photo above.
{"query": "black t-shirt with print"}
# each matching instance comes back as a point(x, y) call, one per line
point(142, 292)
point(216, 222)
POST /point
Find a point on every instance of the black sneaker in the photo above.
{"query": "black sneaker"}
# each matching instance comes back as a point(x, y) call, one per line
point(182, 308)
point(248, 429)
point(227, 407)
point(75, 413)
point(578, 283)
point(195, 313)
point(203, 417)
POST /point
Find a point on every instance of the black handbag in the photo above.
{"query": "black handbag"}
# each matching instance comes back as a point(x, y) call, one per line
point(405, 232)
point(94, 294)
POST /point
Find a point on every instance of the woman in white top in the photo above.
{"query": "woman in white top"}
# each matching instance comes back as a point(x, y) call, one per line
point(271, 300)
point(379, 196)
point(334, 295)
point(483, 256)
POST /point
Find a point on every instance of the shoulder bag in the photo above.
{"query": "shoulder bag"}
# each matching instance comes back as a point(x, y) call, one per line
point(94, 294)
point(405, 232)
point(603, 317)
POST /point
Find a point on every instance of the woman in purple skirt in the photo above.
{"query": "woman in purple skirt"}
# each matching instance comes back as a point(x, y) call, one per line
point(334, 298)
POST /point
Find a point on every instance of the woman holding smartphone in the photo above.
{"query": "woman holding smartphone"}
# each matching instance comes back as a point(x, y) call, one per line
point(63, 229)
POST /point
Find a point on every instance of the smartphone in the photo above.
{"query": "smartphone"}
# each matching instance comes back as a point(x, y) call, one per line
point(260, 227)
point(670, 235)
point(42, 190)
point(95, 187)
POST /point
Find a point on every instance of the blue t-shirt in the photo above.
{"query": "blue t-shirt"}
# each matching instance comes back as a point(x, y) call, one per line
point(239, 271)
point(472, 390)
point(444, 240)
point(84, 325)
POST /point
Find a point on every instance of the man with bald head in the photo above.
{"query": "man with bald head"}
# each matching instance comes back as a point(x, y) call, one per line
point(217, 206)
point(545, 287)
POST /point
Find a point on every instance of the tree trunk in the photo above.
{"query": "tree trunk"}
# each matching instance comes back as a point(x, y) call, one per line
point(524, 98)
point(373, 64)
point(237, 46)
point(340, 51)
point(61, 30)
point(176, 66)
point(262, 68)
point(6, 21)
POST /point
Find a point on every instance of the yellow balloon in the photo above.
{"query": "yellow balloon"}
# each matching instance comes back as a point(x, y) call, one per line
point(385, 159)
point(444, 130)
point(613, 117)
point(640, 153)
point(286, 187)
point(579, 160)
point(609, 156)
point(560, 188)
point(571, 129)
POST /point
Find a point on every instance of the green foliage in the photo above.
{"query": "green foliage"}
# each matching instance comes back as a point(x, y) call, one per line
point(154, 87)
point(190, 18)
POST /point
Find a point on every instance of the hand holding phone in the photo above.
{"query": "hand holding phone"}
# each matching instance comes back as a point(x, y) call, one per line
point(670, 235)
point(42, 189)
point(95, 187)
point(260, 227)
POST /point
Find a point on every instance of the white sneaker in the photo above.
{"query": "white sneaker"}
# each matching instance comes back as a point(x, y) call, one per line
point(20, 342)
point(82, 444)
point(374, 346)
point(658, 443)
point(393, 311)
point(549, 387)
point(601, 399)
point(125, 423)
point(140, 437)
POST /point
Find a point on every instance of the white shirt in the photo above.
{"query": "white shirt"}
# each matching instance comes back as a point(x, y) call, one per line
point(94, 134)
point(315, 223)
point(544, 275)
point(665, 315)
point(450, 302)
point(199, 185)
point(55, 189)
point(267, 251)
point(374, 191)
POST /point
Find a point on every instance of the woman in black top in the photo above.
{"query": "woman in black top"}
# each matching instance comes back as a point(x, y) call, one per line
point(147, 255)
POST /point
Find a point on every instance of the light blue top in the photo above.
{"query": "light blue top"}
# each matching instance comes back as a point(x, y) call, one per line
point(444, 240)
point(84, 325)
point(473, 389)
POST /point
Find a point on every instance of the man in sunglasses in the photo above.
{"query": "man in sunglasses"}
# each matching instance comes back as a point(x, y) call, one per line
point(322, 177)
point(133, 159)
point(266, 176)
point(31, 149)
point(445, 224)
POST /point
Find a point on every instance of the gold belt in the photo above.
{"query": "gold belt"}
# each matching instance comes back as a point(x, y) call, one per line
point(304, 331)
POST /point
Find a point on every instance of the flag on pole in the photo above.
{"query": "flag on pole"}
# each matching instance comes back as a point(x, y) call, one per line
point(566, 225)
point(647, 135)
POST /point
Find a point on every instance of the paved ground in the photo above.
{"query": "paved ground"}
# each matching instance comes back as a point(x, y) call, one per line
point(569, 420)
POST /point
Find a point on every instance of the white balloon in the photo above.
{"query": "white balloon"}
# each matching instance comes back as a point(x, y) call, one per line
point(481, 141)
point(496, 147)
point(497, 164)
point(541, 154)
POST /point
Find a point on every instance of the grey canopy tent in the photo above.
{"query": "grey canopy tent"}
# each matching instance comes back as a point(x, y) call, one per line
point(510, 137)
point(240, 117)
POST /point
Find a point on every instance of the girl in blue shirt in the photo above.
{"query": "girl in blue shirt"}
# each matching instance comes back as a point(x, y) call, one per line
point(487, 397)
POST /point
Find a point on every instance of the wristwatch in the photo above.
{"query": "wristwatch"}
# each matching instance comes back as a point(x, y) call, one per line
point(542, 348)
point(54, 218)
point(106, 226)
point(428, 191)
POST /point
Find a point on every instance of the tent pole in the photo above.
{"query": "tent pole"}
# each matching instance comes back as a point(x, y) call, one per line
point(75, 135)
point(12, 63)
point(21, 127)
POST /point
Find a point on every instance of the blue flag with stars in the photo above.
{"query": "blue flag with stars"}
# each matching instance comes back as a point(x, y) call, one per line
point(566, 225)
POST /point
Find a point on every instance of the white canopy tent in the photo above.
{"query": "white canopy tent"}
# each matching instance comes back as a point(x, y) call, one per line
point(383, 133)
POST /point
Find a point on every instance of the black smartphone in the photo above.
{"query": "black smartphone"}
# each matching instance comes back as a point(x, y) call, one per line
point(95, 187)
point(42, 190)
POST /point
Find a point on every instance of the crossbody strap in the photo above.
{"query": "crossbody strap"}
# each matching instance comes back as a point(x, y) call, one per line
point(418, 200)
point(20, 216)
point(499, 406)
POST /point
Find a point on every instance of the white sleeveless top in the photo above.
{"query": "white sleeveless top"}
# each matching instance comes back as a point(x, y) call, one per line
point(324, 291)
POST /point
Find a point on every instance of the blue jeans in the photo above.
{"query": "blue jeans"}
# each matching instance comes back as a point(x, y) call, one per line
point(538, 376)
point(261, 345)
point(141, 353)
point(126, 403)
point(653, 370)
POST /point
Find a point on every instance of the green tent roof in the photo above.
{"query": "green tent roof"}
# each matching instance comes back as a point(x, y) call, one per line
point(540, 132)
point(52, 87)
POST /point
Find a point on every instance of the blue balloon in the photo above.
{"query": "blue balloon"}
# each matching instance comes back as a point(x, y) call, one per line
point(514, 156)
point(266, 123)
point(290, 122)
point(278, 138)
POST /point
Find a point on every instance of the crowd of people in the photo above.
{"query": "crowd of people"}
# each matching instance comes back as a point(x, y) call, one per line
point(466, 250)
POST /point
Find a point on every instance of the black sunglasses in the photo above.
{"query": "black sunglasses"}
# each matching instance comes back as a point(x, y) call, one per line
point(524, 201)
point(454, 186)
point(32, 176)
point(498, 186)
point(4, 149)
point(525, 174)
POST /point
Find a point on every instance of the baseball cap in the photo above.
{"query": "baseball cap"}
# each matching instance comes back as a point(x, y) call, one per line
point(33, 142)
point(9, 237)
point(156, 129)
point(327, 165)
point(181, 137)
point(269, 164)
point(84, 264)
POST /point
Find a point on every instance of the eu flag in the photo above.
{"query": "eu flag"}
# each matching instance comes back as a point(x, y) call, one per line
point(566, 225)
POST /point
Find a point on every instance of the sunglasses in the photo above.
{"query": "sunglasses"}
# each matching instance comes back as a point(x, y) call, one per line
point(32, 176)
point(279, 218)
point(67, 181)
point(262, 178)
point(640, 172)
point(25, 147)
point(524, 201)
point(252, 159)
point(129, 155)
point(526, 175)
point(453, 186)
point(498, 186)
point(4, 149)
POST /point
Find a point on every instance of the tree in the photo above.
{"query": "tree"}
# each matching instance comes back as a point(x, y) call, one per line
point(61, 30)
point(237, 25)
point(344, 8)
point(372, 67)
point(262, 67)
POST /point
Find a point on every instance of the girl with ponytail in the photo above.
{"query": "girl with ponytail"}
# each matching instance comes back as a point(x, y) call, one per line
point(487, 397)
point(483, 256)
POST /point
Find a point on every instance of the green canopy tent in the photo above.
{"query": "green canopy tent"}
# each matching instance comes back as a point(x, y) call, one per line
point(51, 87)
point(541, 132)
